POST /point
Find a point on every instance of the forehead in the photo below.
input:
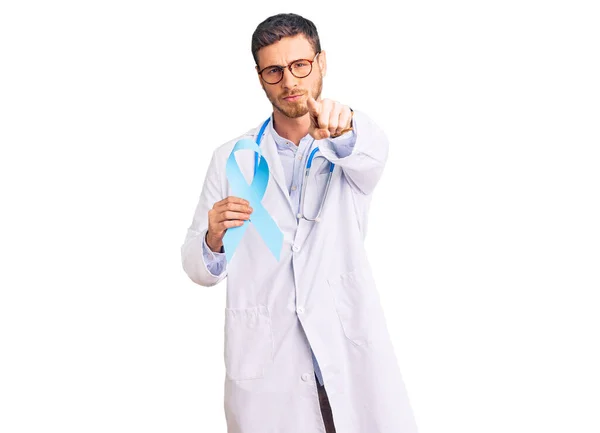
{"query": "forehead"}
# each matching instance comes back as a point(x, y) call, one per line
point(285, 51)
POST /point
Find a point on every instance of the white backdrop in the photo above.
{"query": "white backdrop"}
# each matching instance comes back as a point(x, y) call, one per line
point(483, 235)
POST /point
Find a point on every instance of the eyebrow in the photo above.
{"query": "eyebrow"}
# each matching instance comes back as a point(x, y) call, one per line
point(284, 66)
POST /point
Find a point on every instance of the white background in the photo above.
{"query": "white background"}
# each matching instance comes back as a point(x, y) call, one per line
point(484, 230)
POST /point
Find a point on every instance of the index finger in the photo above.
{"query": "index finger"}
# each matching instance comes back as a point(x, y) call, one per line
point(233, 199)
point(314, 107)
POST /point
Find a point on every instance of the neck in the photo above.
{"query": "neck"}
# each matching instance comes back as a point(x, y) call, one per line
point(291, 129)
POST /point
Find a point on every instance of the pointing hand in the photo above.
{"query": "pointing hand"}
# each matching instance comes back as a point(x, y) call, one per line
point(328, 118)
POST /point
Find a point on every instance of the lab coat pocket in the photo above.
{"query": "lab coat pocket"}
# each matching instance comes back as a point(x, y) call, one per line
point(358, 306)
point(248, 342)
point(314, 193)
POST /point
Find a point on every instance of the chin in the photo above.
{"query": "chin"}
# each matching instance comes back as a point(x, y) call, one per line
point(294, 112)
point(297, 114)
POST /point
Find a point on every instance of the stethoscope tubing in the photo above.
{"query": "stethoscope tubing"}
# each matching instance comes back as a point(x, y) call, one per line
point(301, 214)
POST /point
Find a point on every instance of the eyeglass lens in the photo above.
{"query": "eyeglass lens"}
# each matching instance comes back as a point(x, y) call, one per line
point(300, 69)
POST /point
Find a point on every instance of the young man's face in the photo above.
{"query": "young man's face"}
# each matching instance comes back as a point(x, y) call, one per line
point(290, 94)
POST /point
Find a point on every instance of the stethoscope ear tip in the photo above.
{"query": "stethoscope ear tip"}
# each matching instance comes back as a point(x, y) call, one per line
point(299, 215)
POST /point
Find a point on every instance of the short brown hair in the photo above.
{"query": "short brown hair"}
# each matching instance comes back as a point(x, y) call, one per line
point(279, 26)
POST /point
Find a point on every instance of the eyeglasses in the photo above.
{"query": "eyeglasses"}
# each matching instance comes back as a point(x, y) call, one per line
point(300, 68)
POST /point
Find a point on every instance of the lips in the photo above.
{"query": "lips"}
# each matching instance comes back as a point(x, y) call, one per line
point(293, 98)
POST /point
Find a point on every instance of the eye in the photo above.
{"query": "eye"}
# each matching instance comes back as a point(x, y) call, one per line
point(272, 71)
point(301, 64)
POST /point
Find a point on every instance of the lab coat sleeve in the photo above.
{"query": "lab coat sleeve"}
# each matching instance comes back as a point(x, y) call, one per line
point(344, 144)
point(363, 165)
point(192, 250)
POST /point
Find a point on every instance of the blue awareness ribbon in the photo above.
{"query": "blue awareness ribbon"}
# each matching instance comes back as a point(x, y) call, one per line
point(254, 193)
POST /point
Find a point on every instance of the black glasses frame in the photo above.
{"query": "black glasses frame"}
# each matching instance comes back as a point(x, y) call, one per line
point(289, 66)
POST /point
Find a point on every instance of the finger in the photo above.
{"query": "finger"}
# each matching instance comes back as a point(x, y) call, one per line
point(334, 118)
point(320, 134)
point(227, 224)
point(325, 114)
point(229, 215)
point(232, 199)
point(234, 206)
point(314, 107)
point(344, 121)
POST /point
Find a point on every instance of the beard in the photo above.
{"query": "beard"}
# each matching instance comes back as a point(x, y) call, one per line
point(295, 109)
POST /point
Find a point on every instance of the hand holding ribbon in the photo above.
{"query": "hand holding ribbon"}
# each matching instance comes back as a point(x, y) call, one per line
point(253, 194)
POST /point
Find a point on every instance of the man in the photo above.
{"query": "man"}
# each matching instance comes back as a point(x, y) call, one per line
point(307, 348)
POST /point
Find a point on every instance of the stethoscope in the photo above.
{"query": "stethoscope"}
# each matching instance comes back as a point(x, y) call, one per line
point(301, 214)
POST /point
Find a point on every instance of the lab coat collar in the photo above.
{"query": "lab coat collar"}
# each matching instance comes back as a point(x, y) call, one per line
point(269, 149)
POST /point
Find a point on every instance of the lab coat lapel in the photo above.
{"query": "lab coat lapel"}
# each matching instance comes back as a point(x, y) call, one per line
point(269, 149)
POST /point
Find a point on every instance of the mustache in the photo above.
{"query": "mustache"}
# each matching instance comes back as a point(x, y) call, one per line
point(287, 95)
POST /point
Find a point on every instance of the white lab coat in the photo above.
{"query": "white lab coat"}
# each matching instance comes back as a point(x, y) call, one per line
point(321, 291)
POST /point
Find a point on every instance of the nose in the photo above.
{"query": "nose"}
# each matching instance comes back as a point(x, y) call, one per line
point(289, 81)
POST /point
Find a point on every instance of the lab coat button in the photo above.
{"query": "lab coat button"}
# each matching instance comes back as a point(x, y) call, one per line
point(305, 377)
point(300, 310)
point(293, 187)
point(295, 248)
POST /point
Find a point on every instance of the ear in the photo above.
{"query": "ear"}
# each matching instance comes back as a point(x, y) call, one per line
point(322, 59)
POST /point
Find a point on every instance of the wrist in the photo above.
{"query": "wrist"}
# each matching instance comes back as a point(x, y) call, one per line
point(214, 246)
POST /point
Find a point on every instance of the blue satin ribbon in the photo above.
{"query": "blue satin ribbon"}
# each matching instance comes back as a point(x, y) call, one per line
point(254, 193)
